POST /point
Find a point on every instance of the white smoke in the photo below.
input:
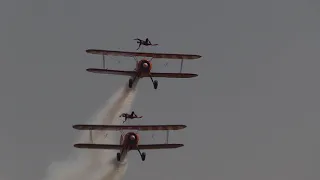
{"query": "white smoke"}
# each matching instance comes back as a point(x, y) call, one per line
point(85, 164)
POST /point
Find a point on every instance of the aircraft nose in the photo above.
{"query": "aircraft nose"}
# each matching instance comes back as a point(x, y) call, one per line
point(145, 65)
point(132, 137)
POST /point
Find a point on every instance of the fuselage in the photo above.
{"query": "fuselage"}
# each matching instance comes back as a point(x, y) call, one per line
point(128, 142)
point(143, 68)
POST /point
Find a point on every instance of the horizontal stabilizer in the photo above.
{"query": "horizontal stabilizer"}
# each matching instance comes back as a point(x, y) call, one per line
point(143, 54)
point(129, 127)
point(118, 147)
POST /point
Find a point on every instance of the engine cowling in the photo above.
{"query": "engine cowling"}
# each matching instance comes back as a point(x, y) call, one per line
point(145, 66)
point(132, 138)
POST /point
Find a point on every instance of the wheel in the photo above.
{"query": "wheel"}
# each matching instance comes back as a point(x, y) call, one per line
point(155, 84)
point(143, 156)
point(118, 156)
point(130, 83)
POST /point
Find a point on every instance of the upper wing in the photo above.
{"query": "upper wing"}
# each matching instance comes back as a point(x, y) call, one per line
point(114, 72)
point(174, 75)
point(118, 147)
point(129, 127)
point(143, 54)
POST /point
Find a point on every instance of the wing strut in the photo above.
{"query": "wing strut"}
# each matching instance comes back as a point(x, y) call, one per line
point(181, 65)
point(167, 137)
point(91, 139)
point(103, 62)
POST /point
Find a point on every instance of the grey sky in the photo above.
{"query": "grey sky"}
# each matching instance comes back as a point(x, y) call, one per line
point(253, 113)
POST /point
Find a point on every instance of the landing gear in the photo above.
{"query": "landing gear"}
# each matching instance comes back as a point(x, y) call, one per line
point(155, 84)
point(118, 156)
point(130, 83)
point(143, 156)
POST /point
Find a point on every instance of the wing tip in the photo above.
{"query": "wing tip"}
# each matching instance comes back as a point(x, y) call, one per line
point(85, 146)
point(190, 75)
point(197, 56)
point(91, 69)
point(175, 146)
point(179, 145)
point(83, 127)
point(77, 126)
point(180, 126)
point(97, 70)
point(92, 50)
point(79, 145)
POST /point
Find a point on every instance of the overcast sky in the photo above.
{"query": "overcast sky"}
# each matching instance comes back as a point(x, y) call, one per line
point(252, 114)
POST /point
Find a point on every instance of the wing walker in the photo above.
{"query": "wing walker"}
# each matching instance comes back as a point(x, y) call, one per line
point(127, 116)
point(128, 141)
point(143, 65)
point(146, 42)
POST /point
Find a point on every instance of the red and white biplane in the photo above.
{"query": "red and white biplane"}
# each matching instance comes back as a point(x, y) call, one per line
point(130, 140)
point(143, 66)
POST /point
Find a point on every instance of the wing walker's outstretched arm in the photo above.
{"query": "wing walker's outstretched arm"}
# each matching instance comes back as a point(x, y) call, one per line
point(139, 46)
point(139, 41)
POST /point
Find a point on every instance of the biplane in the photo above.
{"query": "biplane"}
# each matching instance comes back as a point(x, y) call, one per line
point(130, 140)
point(143, 66)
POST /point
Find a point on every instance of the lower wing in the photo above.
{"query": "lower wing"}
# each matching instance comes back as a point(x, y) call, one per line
point(118, 147)
point(159, 146)
point(98, 146)
point(174, 75)
point(113, 72)
point(133, 73)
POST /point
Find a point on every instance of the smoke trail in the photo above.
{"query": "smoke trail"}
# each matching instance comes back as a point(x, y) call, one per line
point(96, 164)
